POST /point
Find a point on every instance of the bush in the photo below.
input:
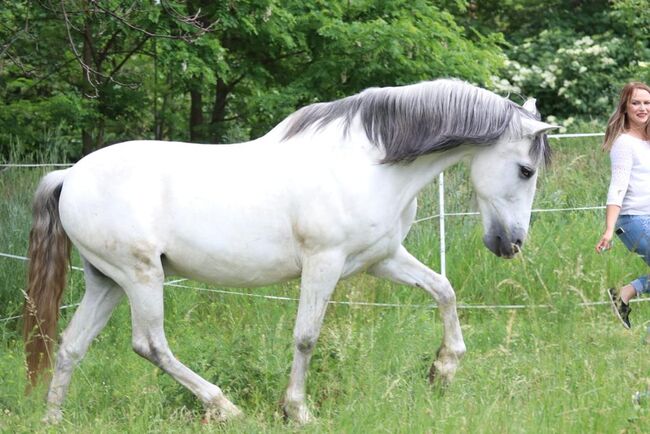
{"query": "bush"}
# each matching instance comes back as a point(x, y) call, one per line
point(570, 74)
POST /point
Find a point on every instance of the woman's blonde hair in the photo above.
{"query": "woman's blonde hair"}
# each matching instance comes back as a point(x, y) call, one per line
point(618, 122)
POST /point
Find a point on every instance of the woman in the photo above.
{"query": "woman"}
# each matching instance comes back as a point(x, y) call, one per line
point(628, 199)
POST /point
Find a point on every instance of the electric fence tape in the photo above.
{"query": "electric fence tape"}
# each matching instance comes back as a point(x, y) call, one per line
point(177, 284)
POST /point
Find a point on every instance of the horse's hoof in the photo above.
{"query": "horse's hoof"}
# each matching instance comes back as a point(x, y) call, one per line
point(433, 374)
point(53, 416)
point(440, 375)
point(221, 413)
point(297, 412)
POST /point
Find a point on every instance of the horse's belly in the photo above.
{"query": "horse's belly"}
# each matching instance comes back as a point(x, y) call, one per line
point(233, 267)
point(375, 252)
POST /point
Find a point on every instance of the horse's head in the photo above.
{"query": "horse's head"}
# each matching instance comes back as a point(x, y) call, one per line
point(505, 177)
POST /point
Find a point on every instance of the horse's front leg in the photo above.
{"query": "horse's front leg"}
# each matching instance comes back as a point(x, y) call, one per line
point(404, 268)
point(320, 273)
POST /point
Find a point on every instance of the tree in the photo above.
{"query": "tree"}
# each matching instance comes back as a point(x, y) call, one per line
point(111, 70)
point(572, 56)
point(93, 56)
point(274, 56)
point(37, 103)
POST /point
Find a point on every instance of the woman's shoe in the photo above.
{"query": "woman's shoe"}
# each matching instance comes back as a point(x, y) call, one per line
point(621, 309)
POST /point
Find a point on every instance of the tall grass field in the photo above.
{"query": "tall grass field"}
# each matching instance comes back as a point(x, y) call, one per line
point(554, 366)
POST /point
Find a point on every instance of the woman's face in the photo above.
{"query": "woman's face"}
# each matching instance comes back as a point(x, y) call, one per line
point(638, 108)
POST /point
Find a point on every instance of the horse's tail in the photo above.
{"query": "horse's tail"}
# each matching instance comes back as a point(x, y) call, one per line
point(49, 253)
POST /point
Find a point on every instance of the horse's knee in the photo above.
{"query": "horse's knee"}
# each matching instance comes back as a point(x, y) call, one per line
point(305, 343)
point(445, 295)
point(66, 360)
point(68, 355)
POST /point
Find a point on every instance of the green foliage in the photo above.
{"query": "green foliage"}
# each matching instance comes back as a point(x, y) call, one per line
point(102, 72)
point(273, 59)
point(28, 126)
point(387, 43)
point(149, 73)
point(574, 60)
point(633, 17)
point(571, 75)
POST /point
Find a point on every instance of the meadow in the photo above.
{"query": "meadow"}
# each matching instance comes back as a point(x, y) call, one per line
point(554, 366)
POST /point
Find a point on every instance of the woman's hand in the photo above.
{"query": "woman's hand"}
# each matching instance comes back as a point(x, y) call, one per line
point(605, 241)
point(611, 215)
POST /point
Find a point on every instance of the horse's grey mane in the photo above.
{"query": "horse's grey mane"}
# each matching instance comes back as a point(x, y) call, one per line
point(415, 120)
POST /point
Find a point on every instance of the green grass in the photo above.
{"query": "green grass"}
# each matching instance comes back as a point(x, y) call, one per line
point(565, 368)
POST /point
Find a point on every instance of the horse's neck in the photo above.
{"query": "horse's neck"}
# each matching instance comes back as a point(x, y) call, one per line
point(410, 178)
point(403, 179)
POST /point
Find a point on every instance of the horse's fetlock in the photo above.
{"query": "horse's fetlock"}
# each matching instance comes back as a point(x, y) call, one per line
point(455, 352)
point(460, 351)
point(297, 411)
point(53, 416)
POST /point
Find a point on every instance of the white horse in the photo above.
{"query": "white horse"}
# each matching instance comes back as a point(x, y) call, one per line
point(328, 193)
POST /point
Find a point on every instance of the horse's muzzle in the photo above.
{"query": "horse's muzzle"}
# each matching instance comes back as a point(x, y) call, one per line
point(502, 245)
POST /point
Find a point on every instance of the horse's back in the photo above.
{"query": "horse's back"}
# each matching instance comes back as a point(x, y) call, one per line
point(194, 205)
point(237, 215)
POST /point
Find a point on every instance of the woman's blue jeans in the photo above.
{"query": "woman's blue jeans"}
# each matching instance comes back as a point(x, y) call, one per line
point(634, 231)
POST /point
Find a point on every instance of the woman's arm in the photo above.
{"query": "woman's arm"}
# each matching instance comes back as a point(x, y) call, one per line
point(621, 167)
point(611, 215)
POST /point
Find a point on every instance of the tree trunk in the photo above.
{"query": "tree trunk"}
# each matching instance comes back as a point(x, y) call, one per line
point(196, 115)
point(88, 89)
point(87, 142)
point(222, 90)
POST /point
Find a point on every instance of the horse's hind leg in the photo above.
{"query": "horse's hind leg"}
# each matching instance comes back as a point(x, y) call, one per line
point(404, 268)
point(145, 293)
point(100, 298)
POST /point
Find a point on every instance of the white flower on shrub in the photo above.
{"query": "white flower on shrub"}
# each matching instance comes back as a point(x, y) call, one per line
point(584, 41)
point(503, 87)
point(597, 50)
point(548, 79)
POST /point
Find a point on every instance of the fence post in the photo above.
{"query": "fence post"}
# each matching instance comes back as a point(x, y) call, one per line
point(441, 201)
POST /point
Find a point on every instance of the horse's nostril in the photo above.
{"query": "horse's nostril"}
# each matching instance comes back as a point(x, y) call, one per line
point(519, 243)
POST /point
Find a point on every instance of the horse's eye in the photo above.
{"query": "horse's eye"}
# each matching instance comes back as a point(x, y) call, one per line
point(526, 172)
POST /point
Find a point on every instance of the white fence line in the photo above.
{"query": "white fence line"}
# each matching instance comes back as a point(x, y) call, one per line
point(534, 210)
point(441, 223)
point(441, 218)
point(177, 284)
point(20, 316)
point(26, 165)
point(25, 259)
point(565, 136)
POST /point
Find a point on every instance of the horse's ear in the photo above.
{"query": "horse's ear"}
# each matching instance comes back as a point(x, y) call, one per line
point(530, 106)
point(531, 127)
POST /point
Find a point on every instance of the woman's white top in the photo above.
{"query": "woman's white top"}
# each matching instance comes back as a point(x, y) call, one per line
point(629, 187)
